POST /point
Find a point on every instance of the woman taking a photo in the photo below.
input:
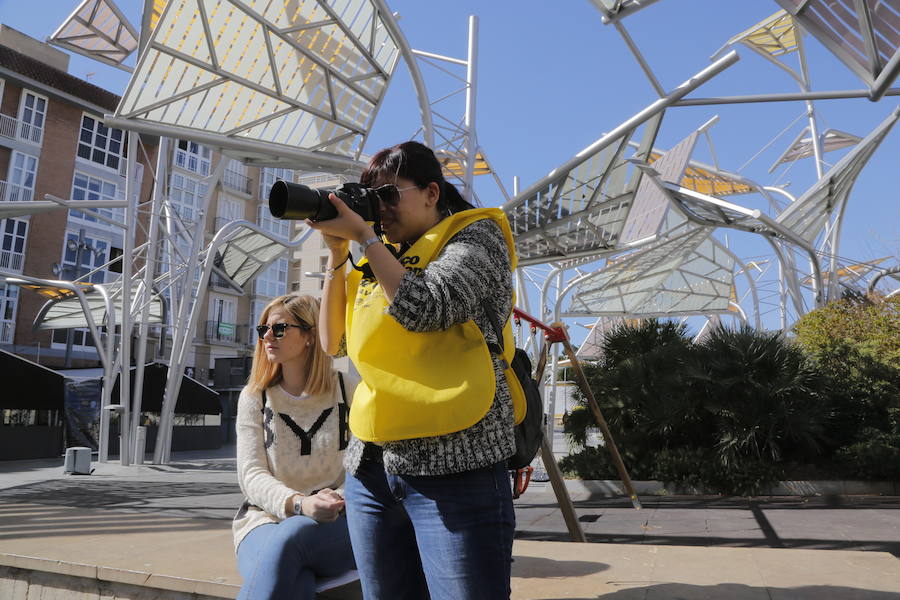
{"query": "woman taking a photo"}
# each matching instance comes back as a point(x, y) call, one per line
point(291, 436)
point(428, 495)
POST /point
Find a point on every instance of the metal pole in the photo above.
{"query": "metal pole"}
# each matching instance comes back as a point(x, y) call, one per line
point(601, 421)
point(159, 186)
point(810, 109)
point(640, 118)
point(131, 194)
point(415, 74)
point(109, 369)
point(789, 97)
point(640, 58)
point(471, 89)
point(70, 333)
point(184, 325)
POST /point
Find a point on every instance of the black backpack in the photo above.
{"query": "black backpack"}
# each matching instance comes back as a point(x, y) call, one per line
point(530, 431)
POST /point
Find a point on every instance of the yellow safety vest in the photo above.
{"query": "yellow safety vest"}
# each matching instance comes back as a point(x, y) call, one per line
point(422, 384)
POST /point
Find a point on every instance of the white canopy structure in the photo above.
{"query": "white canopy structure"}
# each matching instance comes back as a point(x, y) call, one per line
point(687, 274)
point(98, 29)
point(622, 229)
point(66, 311)
point(277, 83)
point(863, 34)
point(802, 222)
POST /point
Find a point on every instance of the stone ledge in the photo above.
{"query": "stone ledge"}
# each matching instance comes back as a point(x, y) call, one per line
point(26, 566)
point(585, 489)
point(24, 584)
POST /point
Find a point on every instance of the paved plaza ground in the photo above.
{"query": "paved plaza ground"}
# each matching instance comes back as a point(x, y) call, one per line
point(169, 527)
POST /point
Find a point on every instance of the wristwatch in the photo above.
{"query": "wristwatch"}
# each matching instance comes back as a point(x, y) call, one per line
point(298, 506)
point(372, 240)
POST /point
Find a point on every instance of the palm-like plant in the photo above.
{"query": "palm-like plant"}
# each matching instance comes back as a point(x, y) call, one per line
point(767, 398)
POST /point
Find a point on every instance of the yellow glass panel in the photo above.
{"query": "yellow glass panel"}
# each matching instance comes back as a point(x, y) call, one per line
point(705, 182)
point(454, 167)
point(775, 35)
point(849, 271)
point(52, 292)
point(156, 12)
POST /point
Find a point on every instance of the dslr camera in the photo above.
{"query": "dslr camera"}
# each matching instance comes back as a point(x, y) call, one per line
point(295, 202)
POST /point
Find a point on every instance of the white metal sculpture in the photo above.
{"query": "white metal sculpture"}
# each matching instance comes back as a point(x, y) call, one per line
point(621, 229)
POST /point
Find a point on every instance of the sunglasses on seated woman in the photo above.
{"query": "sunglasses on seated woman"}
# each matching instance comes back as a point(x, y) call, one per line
point(390, 193)
point(279, 329)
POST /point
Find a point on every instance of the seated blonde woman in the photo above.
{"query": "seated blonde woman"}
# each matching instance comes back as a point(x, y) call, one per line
point(291, 435)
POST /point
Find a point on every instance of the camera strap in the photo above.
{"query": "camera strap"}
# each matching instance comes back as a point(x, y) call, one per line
point(366, 269)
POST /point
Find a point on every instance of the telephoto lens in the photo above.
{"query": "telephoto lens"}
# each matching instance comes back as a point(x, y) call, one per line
point(299, 202)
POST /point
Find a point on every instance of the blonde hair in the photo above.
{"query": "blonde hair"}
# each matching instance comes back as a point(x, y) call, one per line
point(264, 374)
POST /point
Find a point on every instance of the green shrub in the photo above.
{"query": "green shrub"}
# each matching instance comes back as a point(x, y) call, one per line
point(589, 463)
point(721, 416)
point(767, 398)
point(856, 345)
point(875, 456)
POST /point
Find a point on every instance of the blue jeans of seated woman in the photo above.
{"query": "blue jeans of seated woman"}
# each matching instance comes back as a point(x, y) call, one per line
point(282, 560)
point(446, 537)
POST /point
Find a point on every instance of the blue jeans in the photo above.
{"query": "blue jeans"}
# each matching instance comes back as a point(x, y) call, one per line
point(282, 560)
point(446, 537)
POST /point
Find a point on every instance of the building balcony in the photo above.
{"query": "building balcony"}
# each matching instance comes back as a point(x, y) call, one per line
point(14, 129)
point(12, 261)
point(7, 332)
point(11, 192)
point(218, 332)
point(236, 182)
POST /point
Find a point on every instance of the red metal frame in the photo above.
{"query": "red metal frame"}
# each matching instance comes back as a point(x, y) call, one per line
point(551, 334)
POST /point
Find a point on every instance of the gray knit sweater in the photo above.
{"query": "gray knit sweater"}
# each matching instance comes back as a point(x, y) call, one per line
point(472, 267)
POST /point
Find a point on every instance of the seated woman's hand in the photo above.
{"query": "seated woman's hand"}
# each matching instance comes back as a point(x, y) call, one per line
point(324, 506)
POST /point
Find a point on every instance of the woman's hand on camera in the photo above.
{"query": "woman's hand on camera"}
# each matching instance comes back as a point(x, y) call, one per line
point(324, 506)
point(347, 225)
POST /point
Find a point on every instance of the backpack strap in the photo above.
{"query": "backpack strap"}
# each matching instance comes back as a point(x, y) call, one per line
point(343, 389)
point(343, 416)
point(495, 347)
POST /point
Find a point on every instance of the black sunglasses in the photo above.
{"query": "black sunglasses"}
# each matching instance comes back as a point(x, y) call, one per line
point(390, 193)
point(279, 329)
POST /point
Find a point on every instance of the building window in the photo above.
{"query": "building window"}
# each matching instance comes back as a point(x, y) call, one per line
point(269, 223)
point(267, 178)
point(13, 233)
point(86, 187)
point(8, 299)
point(273, 281)
point(187, 196)
point(323, 266)
point(256, 310)
point(101, 144)
point(234, 176)
point(93, 254)
point(222, 325)
point(22, 171)
point(193, 157)
point(32, 113)
point(229, 209)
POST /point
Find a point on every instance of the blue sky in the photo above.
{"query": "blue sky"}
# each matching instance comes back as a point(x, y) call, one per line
point(553, 78)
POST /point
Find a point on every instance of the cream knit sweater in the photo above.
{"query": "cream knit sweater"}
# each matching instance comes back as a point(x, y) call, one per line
point(291, 445)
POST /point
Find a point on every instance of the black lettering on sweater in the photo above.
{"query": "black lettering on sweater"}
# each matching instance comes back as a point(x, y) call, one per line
point(306, 436)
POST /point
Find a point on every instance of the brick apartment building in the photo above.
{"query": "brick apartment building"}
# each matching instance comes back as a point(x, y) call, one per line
point(53, 141)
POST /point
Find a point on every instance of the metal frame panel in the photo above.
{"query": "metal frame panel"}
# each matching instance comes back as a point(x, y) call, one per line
point(863, 34)
point(314, 81)
point(808, 215)
point(579, 209)
point(97, 29)
point(685, 274)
